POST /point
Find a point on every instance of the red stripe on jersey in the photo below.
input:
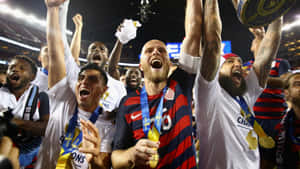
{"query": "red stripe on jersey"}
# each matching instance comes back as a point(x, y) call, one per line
point(138, 134)
point(273, 91)
point(277, 63)
point(168, 158)
point(268, 109)
point(138, 115)
point(269, 117)
point(270, 100)
point(180, 101)
point(38, 104)
point(180, 125)
point(132, 100)
point(189, 163)
point(273, 72)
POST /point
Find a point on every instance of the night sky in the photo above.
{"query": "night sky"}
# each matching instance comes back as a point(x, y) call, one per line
point(102, 17)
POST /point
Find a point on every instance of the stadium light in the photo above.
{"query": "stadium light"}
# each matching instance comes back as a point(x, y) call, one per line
point(30, 18)
point(120, 64)
point(19, 44)
point(289, 26)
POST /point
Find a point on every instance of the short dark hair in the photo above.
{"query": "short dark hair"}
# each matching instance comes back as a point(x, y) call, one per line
point(94, 66)
point(29, 61)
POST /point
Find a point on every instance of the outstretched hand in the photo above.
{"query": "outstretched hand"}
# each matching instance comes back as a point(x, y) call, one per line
point(91, 140)
point(77, 20)
point(54, 3)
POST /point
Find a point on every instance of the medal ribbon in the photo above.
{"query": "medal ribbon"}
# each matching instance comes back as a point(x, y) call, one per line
point(44, 71)
point(73, 139)
point(146, 114)
point(251, 119)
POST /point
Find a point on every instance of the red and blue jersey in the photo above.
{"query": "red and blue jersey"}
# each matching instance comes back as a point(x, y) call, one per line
point(289, 150)
point(271, 103)
point(176, 148)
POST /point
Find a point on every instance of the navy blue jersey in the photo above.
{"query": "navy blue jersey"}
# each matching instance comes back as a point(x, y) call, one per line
point(271, 103)
point(176, 142)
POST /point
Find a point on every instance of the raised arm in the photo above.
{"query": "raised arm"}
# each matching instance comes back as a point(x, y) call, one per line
point(125, 32)
point(114, 59)
point(267, 51)
point(57, 70)
point(193, 27)
point(76, 40)
point(259, 34)
point(193, 33)
point(212, 40)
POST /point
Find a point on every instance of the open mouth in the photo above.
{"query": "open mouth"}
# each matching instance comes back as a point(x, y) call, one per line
point(133, 81)
point(237, 76)
point(97, 57)
point(84, 92)
point(156, 64)
point(15, 77)
point(237, 73)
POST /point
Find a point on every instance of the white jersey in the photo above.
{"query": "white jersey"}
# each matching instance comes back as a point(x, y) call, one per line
point(222, 130)
point(116, 90)
point(63, 103)
point(41, 80)
point(62, 109)
point(9, 101)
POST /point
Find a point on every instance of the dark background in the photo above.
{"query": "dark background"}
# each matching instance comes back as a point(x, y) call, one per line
point(101, 18)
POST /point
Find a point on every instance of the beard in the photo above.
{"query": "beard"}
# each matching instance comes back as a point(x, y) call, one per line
point(23, 83)
point(156, 77)
point(228, 85)
point(296, 101)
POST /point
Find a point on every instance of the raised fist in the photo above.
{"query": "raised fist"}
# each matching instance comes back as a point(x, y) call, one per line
point(77, 19)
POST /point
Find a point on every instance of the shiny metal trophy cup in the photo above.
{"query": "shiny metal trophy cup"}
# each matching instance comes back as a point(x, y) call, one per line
point(256, 13)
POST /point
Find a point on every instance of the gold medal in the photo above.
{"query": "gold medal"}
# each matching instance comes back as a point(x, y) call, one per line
point(154, 160)
point(153, 135)
point(252, 141)
point(266, 142)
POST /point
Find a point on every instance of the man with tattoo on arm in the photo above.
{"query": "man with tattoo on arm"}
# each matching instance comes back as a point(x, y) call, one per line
point(228, 131)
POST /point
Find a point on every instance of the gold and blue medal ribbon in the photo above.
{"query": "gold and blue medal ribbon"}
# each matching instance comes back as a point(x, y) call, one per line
point(45, 71)
point(73, 139)
point(154, 133)
point(264, 140)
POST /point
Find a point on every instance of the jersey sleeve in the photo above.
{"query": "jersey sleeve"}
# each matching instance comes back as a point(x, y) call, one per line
point(185, 80)
point(123, 138)
point(44, 104)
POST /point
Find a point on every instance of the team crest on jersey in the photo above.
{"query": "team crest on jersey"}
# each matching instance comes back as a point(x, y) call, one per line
point(170, 94)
